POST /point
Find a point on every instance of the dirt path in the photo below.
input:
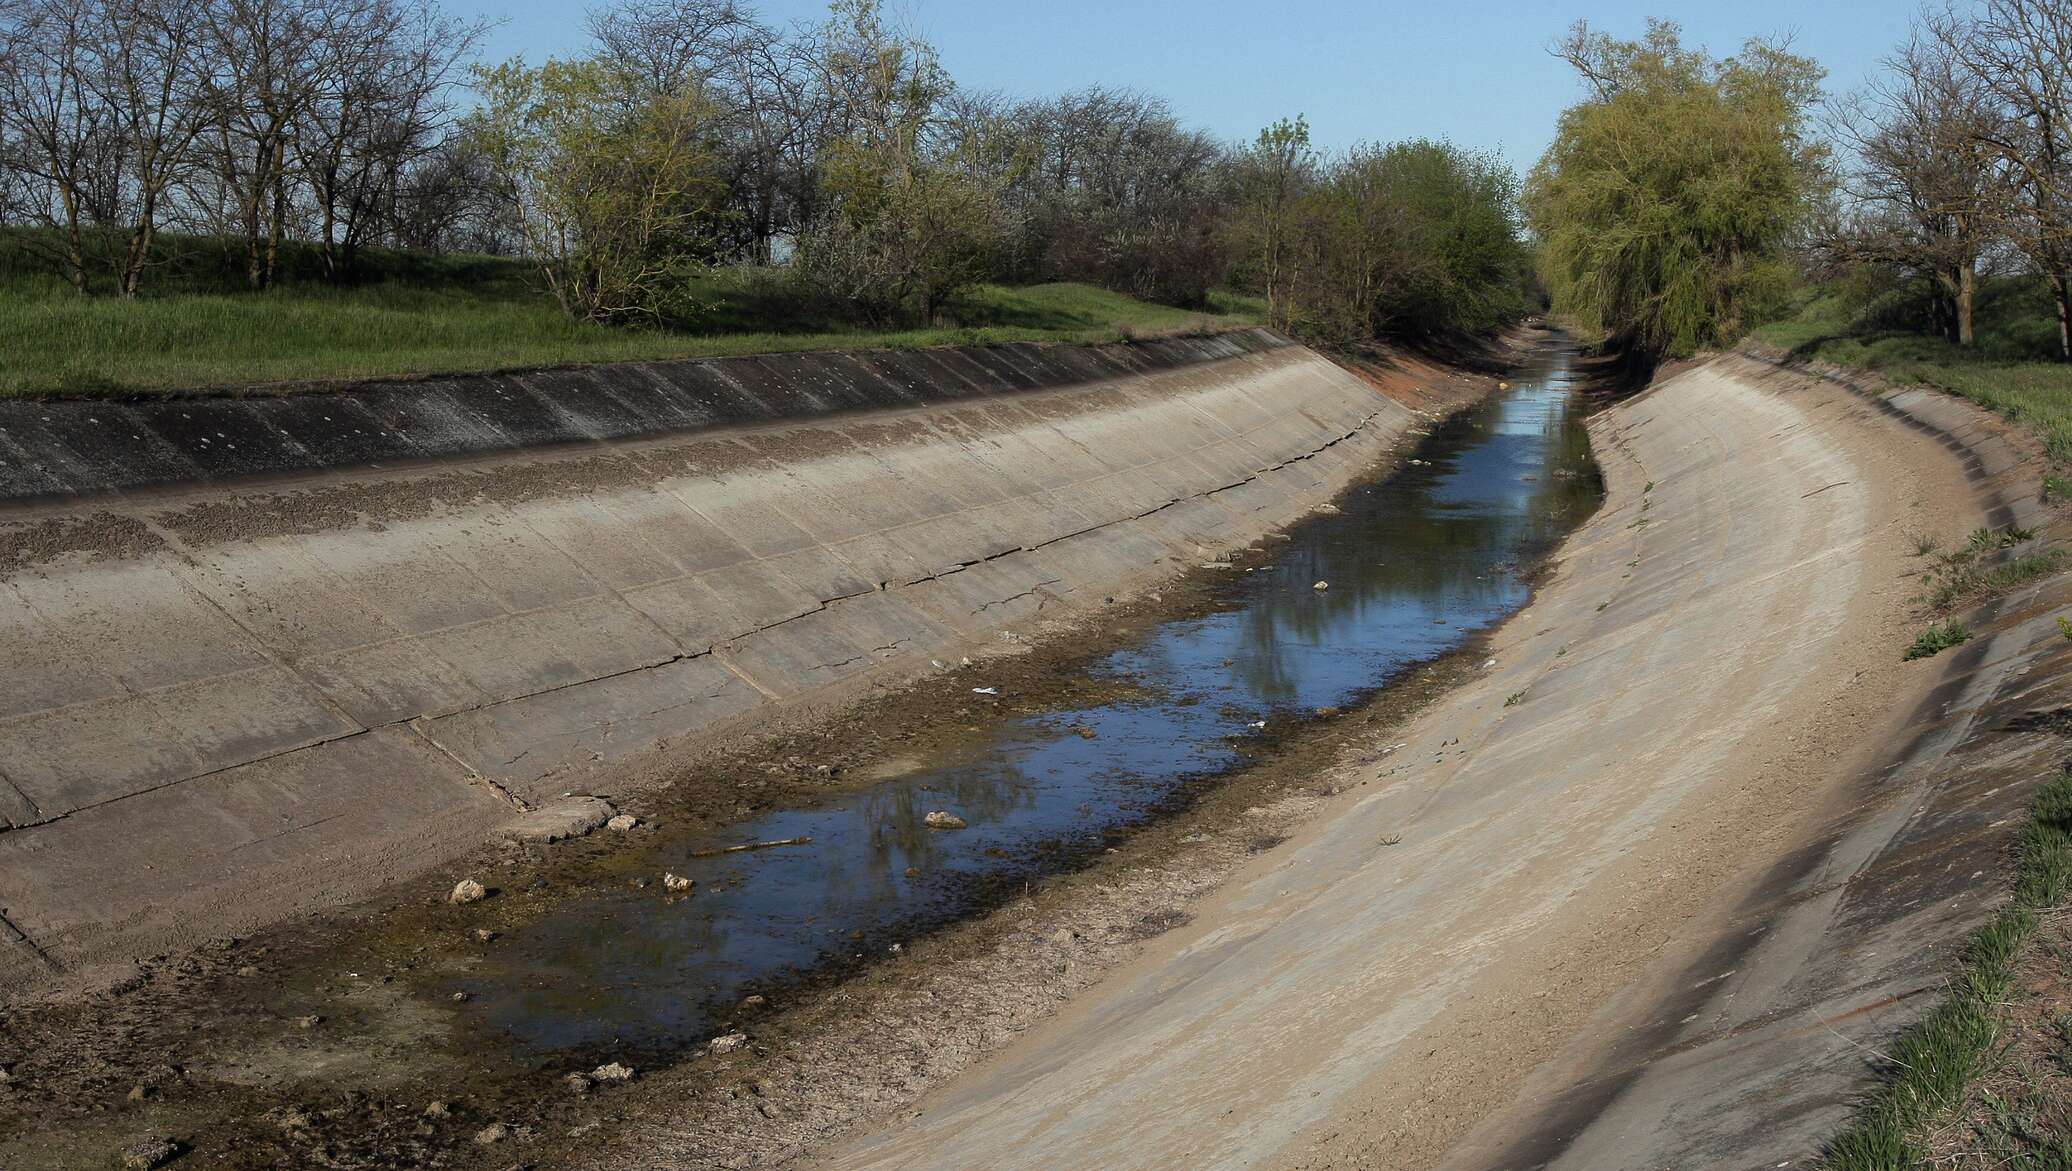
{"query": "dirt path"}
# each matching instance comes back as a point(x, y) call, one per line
point(1715, 657)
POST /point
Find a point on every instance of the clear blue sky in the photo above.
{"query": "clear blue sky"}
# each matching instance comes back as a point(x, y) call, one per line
point(1470, 70)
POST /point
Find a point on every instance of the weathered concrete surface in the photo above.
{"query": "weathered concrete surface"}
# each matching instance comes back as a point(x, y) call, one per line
point(1746, 1041)
point(253, 667)
point(1688, 704)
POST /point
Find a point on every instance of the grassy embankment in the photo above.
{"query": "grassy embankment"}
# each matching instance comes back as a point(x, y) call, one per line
point(415, 315)
point(2012, 370)
point(1983, 1080)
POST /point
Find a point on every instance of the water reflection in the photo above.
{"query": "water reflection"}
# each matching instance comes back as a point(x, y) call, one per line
point(1415, 563)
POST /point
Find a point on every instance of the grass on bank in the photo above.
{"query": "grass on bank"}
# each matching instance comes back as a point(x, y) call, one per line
point(2013, 369)
point(1937, 1064)
point(414, 315)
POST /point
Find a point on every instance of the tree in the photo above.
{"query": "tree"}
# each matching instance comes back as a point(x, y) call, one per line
point(1925, 185)
point(1667, 200)
point(376, 105)
point(909, 222)
point(610, 183)
point(1275, 172)
point(2020, 53)
point(1110, 188)
point(64, 148)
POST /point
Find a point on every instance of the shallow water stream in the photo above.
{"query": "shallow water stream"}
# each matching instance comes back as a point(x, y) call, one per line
point(1415, 565)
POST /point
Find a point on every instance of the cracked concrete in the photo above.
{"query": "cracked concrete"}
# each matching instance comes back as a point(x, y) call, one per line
point(345, 673)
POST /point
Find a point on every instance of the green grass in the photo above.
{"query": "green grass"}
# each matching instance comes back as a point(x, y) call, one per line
point(413, 315)
point(1936, 1062)
point(2012, 370)
point(1937, 638)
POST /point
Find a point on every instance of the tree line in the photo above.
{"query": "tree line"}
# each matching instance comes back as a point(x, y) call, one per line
point(837, 160)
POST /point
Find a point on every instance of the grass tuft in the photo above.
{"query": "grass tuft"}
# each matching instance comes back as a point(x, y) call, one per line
point(1937, 638)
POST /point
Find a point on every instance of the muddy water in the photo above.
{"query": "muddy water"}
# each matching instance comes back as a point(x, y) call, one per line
point(1415, 564)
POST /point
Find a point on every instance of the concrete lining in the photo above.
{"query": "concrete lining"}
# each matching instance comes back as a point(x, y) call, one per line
point(247, 633)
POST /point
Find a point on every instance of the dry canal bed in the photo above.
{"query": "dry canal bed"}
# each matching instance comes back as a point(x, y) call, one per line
point(402, 1036)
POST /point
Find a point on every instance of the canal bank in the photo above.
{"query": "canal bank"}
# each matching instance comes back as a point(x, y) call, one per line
point(224, 1043)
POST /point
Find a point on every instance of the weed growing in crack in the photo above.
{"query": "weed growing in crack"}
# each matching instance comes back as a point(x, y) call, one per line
point(1514, 698)
point(1939, 637)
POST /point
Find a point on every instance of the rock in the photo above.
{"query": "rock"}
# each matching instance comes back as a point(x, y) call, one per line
point(1322, 585)
point(437, 1110)
point(248, 971)
point(147, 1153)
point(570, 817)
point(750, 1004)
point(1063, 936)
point(484, 935)
point(137, 1093)
point(578, 1083)
point(460, 998)
point(676, 883)
point(730, 1043)
point(622, 822)
point(467, 890)
point(308, 1022)
point(943, 819)
point(1215, 565)
point(1085, 733)
point(492, 1134)
point(615, 1072)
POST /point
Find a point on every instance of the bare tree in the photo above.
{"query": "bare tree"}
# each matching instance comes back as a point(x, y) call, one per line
point(266, 59)
point(1926, 187)
point(377, 104)
point(62, 139)
point(146, 80)
point(2020, 51)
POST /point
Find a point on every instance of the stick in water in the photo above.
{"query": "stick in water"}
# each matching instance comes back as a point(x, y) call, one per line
point(750, 846)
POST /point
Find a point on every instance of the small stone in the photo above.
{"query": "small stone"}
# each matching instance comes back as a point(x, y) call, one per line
point(943, 819)
point(1085, 733)
point(437, 1110)
point(727, 1044)
point(1322, 585)
point(248, 971)
point(467, 890)
point(676, 883)
point(622, 822)
point(492, 1134)
point(137, 1093)
point(750, 1004)
point(614, 1072)
point(578, 1083)
point(1063, 937)
point(147, 1153)
point(484, 935)
point(308, 1022)
point(460, 998)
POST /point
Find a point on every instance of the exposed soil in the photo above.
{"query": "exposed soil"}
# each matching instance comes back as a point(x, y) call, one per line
point(224, 1049)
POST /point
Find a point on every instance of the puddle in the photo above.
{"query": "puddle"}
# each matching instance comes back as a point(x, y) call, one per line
point(1415, 564)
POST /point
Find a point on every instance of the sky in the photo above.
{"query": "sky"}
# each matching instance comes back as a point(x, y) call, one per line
point(1472, 71)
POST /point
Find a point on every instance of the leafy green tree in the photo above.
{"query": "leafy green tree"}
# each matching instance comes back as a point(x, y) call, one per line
point(1668, 200)
point(1276, 172)
point(1410, 239)
point(610, 181)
